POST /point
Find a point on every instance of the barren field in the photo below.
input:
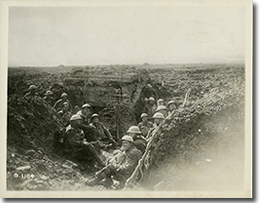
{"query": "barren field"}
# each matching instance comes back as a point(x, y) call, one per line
point(200, 148)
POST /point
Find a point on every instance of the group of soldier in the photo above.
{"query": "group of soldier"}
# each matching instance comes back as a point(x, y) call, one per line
point(84, 135)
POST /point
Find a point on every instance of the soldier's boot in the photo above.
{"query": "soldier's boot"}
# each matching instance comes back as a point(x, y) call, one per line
point(96, 156)
point(96, 179)
point(108, 182)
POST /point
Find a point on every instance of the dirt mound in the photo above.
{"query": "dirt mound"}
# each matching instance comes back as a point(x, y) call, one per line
point(114, 91)
point(209, 129)
point(194, 140)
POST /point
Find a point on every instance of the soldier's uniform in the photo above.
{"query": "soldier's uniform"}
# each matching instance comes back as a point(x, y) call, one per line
point(58, 104)
point(89, 131)
point(75, 146)
point(121, 171)
point(139, 140)
point(65, 117)
point(49, 100)
point(145, 126)
point(101, 133)
point(32, 95)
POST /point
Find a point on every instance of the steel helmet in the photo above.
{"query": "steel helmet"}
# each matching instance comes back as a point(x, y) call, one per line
point(81, 114)
point(160, 108)
point(151, 99)
point(127, 138)
point(170, 102)
point(160, 100)
point(94, 115)
point(146, 99)
point(32, 87)
point(134, 129)
point(49, 93)
point(75, 117)
point(158, 115)
point(64, 94)
point(144, 115)
point(149, 86)
point(65, 104)
point(85, 106)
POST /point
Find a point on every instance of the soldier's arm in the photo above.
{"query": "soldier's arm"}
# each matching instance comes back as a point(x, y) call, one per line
point(56, 103)
point(74, 140)
point(131, 162)
point(107, 133)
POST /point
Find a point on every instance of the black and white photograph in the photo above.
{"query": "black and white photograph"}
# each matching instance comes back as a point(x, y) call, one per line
point(126, 99)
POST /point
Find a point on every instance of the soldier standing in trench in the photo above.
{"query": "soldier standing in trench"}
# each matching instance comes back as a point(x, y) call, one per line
point(149, 91)
point(121, 166)
point(76, 146)
point(150, 107)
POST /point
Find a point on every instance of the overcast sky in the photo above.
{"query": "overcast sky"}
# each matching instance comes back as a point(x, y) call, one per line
point(42, 36)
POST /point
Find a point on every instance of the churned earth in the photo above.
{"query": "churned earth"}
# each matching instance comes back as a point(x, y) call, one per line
point(201, 148)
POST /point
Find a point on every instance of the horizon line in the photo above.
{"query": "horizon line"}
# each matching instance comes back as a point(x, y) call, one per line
point(145, 64)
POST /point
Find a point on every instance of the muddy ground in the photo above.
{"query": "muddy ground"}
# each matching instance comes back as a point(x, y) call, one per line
point(202, 147)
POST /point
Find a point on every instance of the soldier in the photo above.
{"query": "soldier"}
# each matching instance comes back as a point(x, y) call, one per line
point(158, 118)
point(120, 167)
point(162, 109)
point(59, 103)
point(102, 133)
point(76, 109)
point(84, 113)
point(145, 125)
point(76, 145)
point(160, 102)
point(32, 94)
point(65, 114)
point(149, 91)
point(49, 98)
point(150, 107)
point(139, 140)
point(146, 100)
point(170, 106)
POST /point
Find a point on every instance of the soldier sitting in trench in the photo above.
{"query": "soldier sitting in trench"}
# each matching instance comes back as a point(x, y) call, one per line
point(158, 118)
point(139, 140)
point(58, 104)
point(120, 166)
point(163, 110)
point(160, 102)
point(76, 146)
point(145, 125)
point(65, 114)
point(170, 107)
point(32, 95)
point(102, 134)
point(89, 131)
point(48, 98)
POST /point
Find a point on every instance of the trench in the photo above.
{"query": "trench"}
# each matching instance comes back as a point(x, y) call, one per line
point(31, 127)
